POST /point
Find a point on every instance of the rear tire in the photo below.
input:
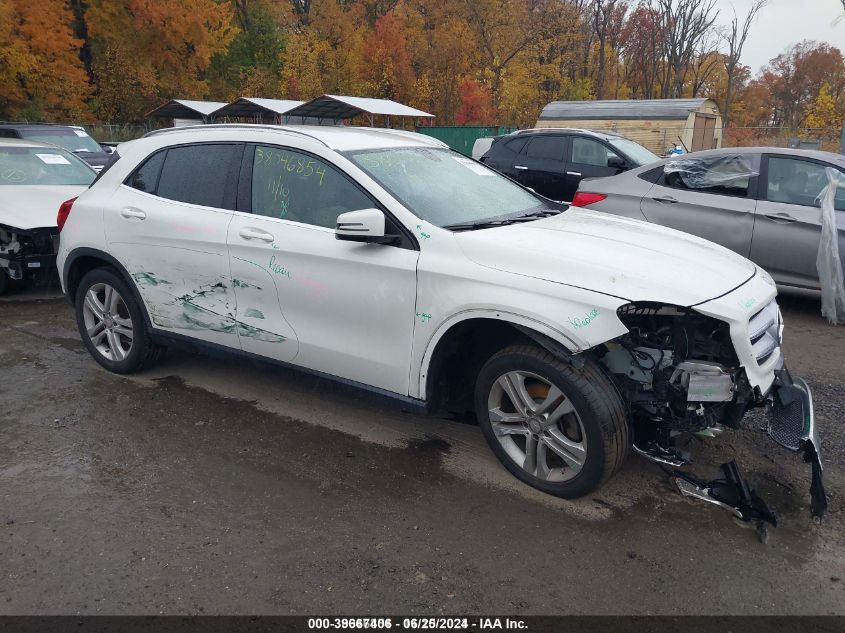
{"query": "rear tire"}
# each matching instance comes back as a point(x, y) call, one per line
point(111, 323)
point(558, 428)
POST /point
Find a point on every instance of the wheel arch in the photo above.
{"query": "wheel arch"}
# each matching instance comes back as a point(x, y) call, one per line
point(462, 343)
point(82, 260)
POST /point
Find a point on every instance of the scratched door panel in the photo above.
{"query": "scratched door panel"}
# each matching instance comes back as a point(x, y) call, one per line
point(258, 277)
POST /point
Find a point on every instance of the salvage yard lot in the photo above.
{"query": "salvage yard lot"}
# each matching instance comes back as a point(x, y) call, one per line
point(209, 486)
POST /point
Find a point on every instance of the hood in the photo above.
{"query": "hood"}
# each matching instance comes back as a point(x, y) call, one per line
point(617, 256)
point(34, 206)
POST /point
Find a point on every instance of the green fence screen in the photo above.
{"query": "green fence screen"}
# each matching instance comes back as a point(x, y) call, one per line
point(462, 137)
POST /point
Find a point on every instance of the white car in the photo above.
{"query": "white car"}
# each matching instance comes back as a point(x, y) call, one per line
point(35, 178)
point(382, 258)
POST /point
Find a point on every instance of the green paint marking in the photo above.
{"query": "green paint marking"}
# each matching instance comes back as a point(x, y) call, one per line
point(748, 303)
point(422, 233)
point(253, 313)
point(149, 279)
point(278, 268)
point(423, 316)
point(579, 322)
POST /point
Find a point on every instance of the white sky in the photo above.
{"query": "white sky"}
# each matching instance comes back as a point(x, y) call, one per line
point(785, 22)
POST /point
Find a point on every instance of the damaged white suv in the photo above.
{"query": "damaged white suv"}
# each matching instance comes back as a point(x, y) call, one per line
point(384, 259)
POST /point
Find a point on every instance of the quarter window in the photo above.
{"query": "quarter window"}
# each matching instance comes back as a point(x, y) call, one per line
point(145, 178)
point(200, 174)
point(796, 181)
point(586, 151)
point(293, 186)
point(517, 144)
point(547, 147)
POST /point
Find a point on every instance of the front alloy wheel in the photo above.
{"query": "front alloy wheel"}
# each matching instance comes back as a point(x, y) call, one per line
point(108, 322)
point(537, 426)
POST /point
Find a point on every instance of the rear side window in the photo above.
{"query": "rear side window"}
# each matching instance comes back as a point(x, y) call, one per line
point(204, 175)
point(727, 175)
point(549, 147)
point(145, 178)
point(517, 144)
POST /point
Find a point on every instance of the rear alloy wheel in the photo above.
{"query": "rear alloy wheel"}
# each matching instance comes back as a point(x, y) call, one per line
point(558, 427)
point(111, 323)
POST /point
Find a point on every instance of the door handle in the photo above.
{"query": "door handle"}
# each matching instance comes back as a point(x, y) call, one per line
point(665, 199)
point(131, 213)
point(574, 173)
point(520, 167)
point(781, 218)
point(249, 233)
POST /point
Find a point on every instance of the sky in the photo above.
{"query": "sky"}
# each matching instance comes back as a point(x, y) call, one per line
point(782, 23)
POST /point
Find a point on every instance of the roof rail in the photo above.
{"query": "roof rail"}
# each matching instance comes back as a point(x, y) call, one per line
point(232, 126)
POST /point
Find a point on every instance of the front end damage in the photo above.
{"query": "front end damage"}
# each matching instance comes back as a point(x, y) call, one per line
point(28, 253)
point(685, 372)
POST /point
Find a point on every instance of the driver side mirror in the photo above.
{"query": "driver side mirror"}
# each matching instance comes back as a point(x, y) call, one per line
point(616, 162)
point(366, 225)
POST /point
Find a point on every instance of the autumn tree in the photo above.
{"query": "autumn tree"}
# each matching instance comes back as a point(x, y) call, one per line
point(386, 64)
point(735, 38)
point(41, 72)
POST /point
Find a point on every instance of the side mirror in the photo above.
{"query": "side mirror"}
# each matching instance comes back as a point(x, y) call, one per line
point(366, 225)
point(616, 162)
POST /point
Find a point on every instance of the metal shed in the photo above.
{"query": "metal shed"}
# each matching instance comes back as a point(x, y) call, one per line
point(259, 110)
point(657, 124)
point(186, 111)
point(337, 108)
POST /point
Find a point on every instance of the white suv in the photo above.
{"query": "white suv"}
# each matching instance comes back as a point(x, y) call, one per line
point(383, 259)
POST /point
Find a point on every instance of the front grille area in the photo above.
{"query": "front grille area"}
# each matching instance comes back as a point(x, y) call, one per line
point(764, 331)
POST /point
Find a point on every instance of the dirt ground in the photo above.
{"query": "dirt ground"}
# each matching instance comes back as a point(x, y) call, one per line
point(207, 486)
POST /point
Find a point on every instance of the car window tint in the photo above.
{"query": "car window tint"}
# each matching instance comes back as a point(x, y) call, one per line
point(797, 181)
point(548, 147)
point(293, 186)
point(517, 144)
point(586, 151)
point(727, 175)
point(145, 178)
point(198, 174)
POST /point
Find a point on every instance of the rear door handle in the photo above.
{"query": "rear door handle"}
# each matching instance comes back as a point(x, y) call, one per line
point(665, 199)
point(520, 167)
point(573, 173)
point(781, 218)
point(130, 213)
point(249, 233)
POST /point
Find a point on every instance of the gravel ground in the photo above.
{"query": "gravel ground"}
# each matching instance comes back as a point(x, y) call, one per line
point(207, 486)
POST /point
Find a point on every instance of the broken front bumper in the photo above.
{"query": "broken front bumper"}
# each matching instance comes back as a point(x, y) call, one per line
point(792, 425)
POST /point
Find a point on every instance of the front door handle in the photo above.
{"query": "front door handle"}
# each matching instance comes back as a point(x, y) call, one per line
point(130, 213)
point(781, 218)
point(574, 173)
point(665, 199)
point(249, 233)
point(520, 167)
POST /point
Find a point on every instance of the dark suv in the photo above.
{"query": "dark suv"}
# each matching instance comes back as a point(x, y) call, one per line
point(553, 161)
point(73, 138)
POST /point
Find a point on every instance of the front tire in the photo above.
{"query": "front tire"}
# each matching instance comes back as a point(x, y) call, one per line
point(111, 323)
point(558, 428)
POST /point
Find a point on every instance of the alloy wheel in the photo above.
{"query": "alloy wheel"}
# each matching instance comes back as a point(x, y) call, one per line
point(537, 425)
point(108, 322)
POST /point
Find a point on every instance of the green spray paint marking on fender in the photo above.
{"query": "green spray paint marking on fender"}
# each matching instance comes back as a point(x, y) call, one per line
point(579, 322)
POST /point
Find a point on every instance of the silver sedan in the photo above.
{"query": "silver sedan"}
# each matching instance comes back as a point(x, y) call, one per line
point(762, 202)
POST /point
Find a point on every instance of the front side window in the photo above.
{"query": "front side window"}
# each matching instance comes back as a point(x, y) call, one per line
point(728, 175)
point(42, 166)
point(444, 187)
point(586, 151)
point(796, 181)
point(293, 186)
point(200, 174)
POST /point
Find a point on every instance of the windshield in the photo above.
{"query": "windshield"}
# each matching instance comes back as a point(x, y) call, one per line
point(443, 187)
point(72, 139)
point(42, 166)
point(634, 151)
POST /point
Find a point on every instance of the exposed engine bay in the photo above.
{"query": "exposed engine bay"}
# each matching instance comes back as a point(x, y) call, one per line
point(27, 254)
point(679, 373)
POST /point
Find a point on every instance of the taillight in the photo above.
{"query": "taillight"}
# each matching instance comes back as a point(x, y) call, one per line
point(585, 199)
point(64, 212)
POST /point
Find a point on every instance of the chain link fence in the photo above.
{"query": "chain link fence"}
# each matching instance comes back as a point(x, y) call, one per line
point(826, 139)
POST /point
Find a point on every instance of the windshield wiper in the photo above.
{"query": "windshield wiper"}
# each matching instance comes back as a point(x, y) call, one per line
point(486, 224)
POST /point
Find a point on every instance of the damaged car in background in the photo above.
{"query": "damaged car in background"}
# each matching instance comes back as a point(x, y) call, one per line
point(383, 259)
point(35, 178)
